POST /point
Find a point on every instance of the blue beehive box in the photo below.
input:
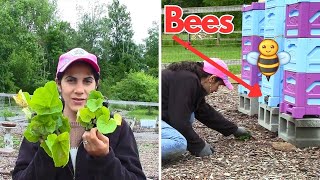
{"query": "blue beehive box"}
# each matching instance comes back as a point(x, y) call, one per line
point(274, 22)
point(272, 89)
point(243, 90)
point(274, 3)
point(305, 54)
point(253, 19)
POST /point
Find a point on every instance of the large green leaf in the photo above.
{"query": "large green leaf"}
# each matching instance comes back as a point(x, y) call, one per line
point(46, 148)
point(94, 104)
point(43, 124)
point(65, 124)
point(85, 115)
point(27, 96)
point(106, 126)
point(60, 150)
point(103, 111)
point(117, 117)
point(95, 95)
point(30, 135)
point(45, 100)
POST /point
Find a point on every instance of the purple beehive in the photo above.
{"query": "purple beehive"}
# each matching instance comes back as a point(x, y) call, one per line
point(250, 43)
point(250, 73)
point(303, 20)
point(301, 94)
point(253, 6)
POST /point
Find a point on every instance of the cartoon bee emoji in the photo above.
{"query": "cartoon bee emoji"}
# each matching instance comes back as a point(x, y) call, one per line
point(268, 61)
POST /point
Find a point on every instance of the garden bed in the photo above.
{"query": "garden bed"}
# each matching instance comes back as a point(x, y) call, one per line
point(263, 157)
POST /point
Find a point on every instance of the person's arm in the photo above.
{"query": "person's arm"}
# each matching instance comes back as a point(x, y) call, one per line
point(33, 163)
point(122, 162)
point(214, 120)
point(183, 92)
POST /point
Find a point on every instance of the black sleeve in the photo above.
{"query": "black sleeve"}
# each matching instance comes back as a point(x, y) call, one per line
point(183, 92)
point(122, 162)
point(33, 163)
point(214, 120)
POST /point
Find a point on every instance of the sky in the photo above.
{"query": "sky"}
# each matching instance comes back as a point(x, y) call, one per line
point(142, 12)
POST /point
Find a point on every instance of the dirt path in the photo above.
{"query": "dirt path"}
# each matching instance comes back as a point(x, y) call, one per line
point(253, 159)
point(147, 145)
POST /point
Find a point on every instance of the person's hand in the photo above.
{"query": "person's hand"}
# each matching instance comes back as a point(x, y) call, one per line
point(241, 131)
point(206, 151)
point(95, 143)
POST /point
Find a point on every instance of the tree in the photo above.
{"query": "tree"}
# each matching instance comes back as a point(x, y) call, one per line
point(59, 38)
point(122, 48)
point(23, 22)
point(151, 55)
point(120, 54)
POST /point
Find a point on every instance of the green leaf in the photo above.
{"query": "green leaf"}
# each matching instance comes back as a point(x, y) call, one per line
point(117, 117)
point(30, 135)
point(103, 111)
point(45, 100)
point(60, 150)
point(43, 124)
point(94, 104)
point(95, 95)
point(46, 148)
point(65, 124)
point(106, 126)
point(27, 112)
point(85, 115)
point(27, 96)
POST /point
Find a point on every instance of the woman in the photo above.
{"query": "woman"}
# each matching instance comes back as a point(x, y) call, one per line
point(92, 155)
point(184, 87)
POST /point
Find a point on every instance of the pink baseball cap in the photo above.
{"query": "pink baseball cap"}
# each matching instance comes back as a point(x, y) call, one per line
point(77, 54)
point(207, 67)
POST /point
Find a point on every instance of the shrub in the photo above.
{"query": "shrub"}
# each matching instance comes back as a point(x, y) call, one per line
point(136, 86)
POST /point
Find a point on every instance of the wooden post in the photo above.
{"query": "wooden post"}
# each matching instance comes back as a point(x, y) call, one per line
point(218, 39)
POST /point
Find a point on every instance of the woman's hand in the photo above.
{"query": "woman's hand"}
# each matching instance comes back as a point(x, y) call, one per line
point(95, 143)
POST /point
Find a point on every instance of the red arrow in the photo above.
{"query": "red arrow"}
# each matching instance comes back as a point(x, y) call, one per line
point(254, 90)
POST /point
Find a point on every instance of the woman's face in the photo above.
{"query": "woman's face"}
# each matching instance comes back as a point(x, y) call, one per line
point(210, 85)
point(76, 84)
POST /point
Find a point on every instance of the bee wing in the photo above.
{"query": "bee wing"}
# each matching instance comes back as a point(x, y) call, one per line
point(252, 57)
point(284, 57)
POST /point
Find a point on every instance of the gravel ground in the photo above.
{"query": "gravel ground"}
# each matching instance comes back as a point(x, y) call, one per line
point(265, 156)
point(147, 141)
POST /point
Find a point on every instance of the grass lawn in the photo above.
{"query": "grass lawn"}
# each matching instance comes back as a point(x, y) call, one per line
point(235, 69)
point(179, 53)
point(143, 114)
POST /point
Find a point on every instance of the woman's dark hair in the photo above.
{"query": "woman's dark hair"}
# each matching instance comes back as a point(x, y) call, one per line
point(95, 74)
point(195, 67)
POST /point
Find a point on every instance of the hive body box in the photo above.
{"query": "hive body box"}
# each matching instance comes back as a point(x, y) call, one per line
point(301, 93)
point(303, 20)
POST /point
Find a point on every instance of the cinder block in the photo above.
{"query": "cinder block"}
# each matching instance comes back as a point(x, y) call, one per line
point(268, 117)
point(248, 105)
point(299, 132)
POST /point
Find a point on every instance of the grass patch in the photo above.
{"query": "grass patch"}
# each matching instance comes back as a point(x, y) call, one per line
point(235, 69)
point(143, 114)
point(179, 53)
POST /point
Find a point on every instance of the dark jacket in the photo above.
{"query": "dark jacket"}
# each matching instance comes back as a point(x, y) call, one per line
point(183, 94)
point(122, 162)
